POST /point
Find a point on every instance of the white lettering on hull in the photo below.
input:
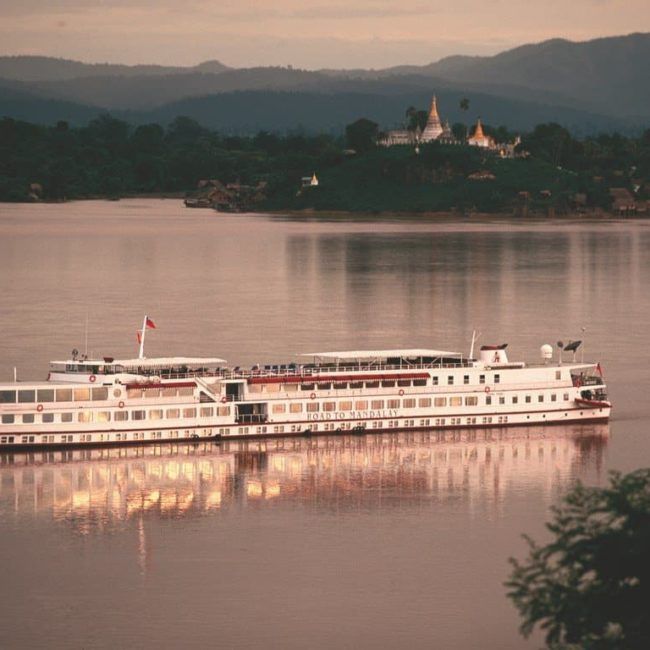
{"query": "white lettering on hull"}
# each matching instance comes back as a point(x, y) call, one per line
point(352, 415)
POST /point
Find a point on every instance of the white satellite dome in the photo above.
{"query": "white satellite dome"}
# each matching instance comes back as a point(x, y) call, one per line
point(546, 351)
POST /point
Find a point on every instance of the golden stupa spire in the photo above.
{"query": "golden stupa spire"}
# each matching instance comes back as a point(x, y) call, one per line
point(478, 131)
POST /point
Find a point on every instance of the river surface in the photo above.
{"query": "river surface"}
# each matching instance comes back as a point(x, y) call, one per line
point(376, 542)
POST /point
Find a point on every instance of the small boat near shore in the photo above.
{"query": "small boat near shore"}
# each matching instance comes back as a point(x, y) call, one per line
point(148, 400)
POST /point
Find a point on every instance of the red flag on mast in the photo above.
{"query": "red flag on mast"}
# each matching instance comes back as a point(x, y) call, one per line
point(150, 325)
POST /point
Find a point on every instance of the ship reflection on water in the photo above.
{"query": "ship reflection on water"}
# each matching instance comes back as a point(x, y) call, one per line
point(95, 490)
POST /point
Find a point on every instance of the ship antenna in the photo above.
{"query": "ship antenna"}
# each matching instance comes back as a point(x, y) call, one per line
point(475, 337)
point(86, 337)
point(582, 354)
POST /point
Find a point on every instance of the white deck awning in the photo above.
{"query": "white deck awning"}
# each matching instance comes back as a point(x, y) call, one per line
point(350, 355)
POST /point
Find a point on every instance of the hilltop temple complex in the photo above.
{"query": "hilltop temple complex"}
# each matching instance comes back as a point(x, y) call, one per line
point(437, 131)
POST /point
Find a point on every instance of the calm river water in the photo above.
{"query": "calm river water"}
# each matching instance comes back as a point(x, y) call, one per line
point(354, 542)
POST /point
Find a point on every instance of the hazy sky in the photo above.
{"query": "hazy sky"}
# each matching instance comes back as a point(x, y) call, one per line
point(338, 33)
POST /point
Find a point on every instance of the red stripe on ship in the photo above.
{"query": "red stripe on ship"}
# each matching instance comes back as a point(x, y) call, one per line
point(319, 379)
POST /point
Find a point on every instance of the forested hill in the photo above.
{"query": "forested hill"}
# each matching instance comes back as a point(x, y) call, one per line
point(110, 158)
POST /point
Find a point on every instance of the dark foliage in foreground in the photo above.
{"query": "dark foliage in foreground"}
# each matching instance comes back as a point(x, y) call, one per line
point(590, 586)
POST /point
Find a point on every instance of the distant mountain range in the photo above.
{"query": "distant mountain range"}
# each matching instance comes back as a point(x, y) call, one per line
point(601, 84)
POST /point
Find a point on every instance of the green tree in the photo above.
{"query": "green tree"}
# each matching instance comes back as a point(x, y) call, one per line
point(362, 134)
point(589, 587)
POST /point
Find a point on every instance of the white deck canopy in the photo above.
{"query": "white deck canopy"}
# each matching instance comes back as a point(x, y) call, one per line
point(154, 362)
point(351, 355)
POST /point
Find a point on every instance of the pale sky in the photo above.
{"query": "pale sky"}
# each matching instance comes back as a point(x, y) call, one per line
point(303, 33)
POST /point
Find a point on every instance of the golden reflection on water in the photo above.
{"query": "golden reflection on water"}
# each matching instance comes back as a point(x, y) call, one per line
point(96, 490)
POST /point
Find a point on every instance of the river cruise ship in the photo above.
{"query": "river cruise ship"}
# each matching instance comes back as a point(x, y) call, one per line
point(109, 401)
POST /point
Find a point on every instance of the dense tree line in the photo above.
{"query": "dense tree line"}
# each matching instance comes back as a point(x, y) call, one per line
point(110, 158)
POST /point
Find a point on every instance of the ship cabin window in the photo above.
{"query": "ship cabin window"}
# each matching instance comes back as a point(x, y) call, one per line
point(409, 403)
point(189, 413)
point(434, 380)
point(558, 374)
point(393, 403)
point(138, 415)
point(7, 396)
point(278, 408)
point(312, 407)
point(497, 379)
point(81, 394)
point(377, 404)
point(66, 417)
point(372, 384)
point(306, 386)
point(295, 408)
point(450, 380)
point(7, 419)
point(440, 401)
point(121, 416)
point(356, 384)
point(340, 385)
point(515, 399)
point(64, 395)
point(345, 406)
point(103, 416)
point(290, 388)
point(471, 401)
point(455, 401)
point(173, 414)
point(419, 382)
point(48, 417)
point(466, 379)
point(223, 411)
point(45, 395)
point(481, 379)
point(502, 399)
point(28, 418)
point(488, 399)
point(187, 391)
point(540, 398)
point(324, 386)
point(26, 396)
point(554, 398)
point(527, 399)
point(566, 397)
point(272, 388)
point(85, 416)
point(387, 384)
point(99, 394)
point(361, 405)
point(424, 402)
point(403, 382)
point(157, 414)
point(329, 406)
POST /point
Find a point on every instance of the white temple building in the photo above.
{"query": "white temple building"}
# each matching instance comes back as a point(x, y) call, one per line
point(433, 129)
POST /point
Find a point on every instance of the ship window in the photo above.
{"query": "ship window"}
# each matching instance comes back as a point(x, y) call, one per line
point(527, 399)
point(135, 393)
point(306, 386)
point(26, 396)
point(172, 414)
point(148, 392)
point(450, 380)
point(440, 401)
point(566, 397)
point(425, 402)
point(345, 406)
point(324, 386)
point(455, 401)
point(312, 407)
point(66, 417)
point(497, 379)
point(100, 394)
point(7, 419)
point(356, 384)
point(372, 384)
point(540, 398)
point(188, 391)
point(393, 403)
point(45, 395)
point(404, 382)
point(121, 416)
point(7, 396)
point(515, 399)
point(481, 379)
point(28, 418)
point(48, 417)
point(554, 398)
point(488, 399)
point(157, 414)
point(168, 392)
point(387, 384)
point(295, 408)
point(85, 416)
point(81, 394)
point(434, 380)
point(471, 401)
point(329, 406)
point(103, 416)
point(377, 404)
point(189, 413)
point(419, 382)
point(223, 411)
point(138, 415)
point(290, 388)
point(279, 408)
point(558, 374)
point(272, 388)
point(502, 399)
point(409, 403)
point(361, 406)
point(340, 386)
point(465, 379)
